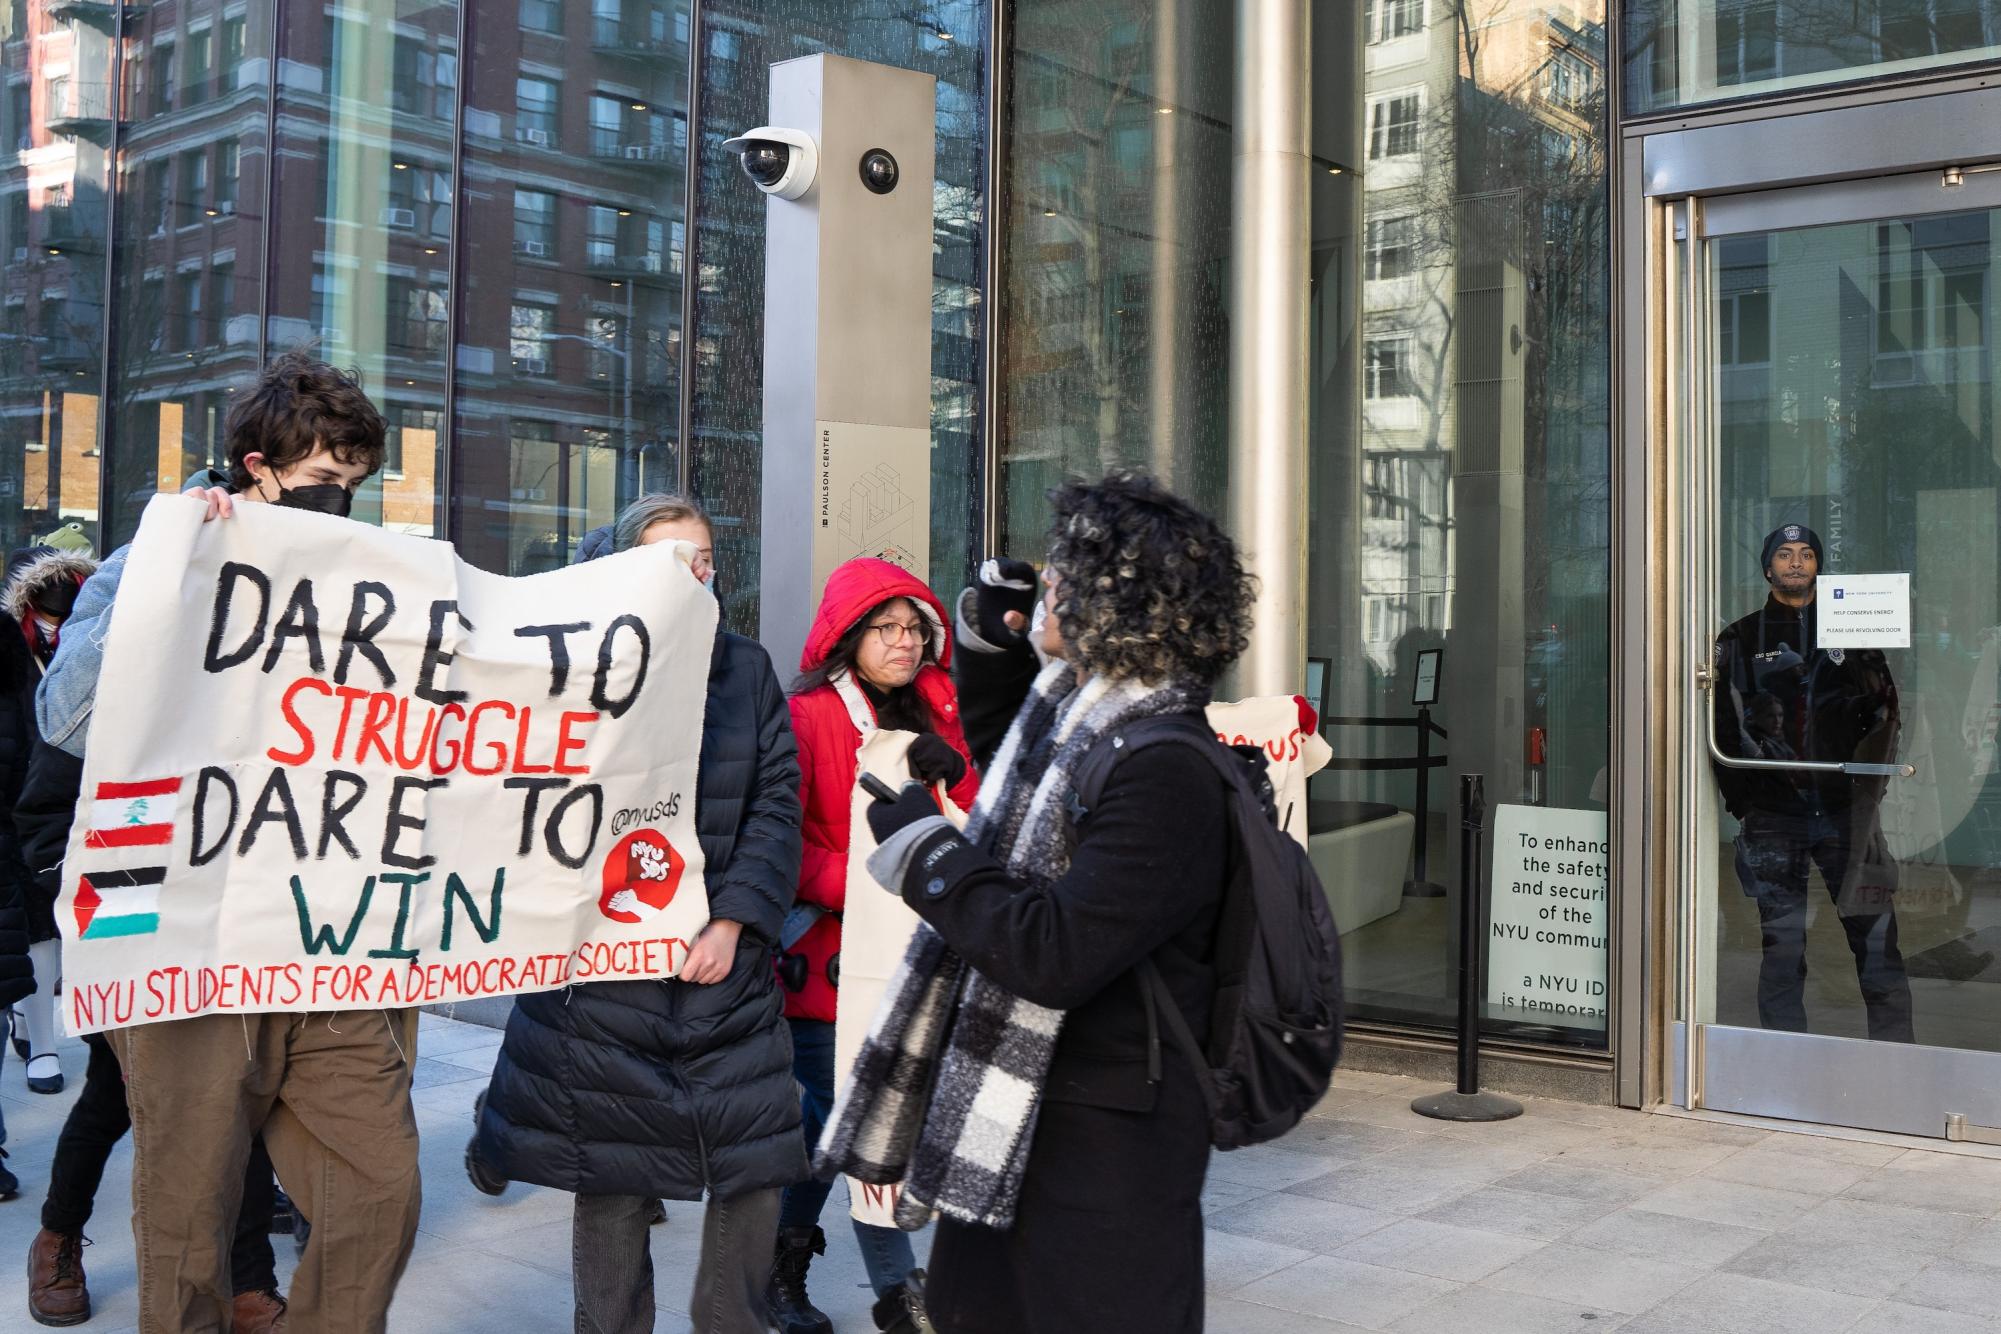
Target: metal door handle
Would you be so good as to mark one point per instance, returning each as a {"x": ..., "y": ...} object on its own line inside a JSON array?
[{"x": 1852, "y": 768}]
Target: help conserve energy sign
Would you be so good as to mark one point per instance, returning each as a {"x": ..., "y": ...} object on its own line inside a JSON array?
[
  {"x": 335, "y": 768},
  {"x": 1863, "y": 611},
  {"x": 1546, "y": 958}
]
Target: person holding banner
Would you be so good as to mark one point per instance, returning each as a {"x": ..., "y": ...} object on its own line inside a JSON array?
[
  {"x": 1074, "y": 1201},
  {"x": 624, "y": 1092},
  {"x": 876, "y": 658},
  {"x": 330, "y": 1090}
]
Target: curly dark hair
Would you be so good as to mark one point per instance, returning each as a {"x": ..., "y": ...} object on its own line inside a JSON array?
[
  {"x": 297, "y": 405},
  {"x": 1147, "y": 586}
]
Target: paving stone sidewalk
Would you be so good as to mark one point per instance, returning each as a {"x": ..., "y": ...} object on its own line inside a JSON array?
[{"x": 1366, "y": 1218}]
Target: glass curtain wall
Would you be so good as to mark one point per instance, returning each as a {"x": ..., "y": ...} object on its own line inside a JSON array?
[
  {"x": 572, "y": 249},
  {"x": 1680, "y": 52},
  {"x": 59, "y": 118},
  {"x": 1459, "y": 467},
  {"x": 741, "y": 39},
  {"x": 1460, "y": 478},
  {"x": 1116, "y": 216},
  {"x": 495, "y": 247}
]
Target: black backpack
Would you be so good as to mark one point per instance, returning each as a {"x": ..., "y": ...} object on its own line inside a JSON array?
[{"x": 1275, "y": 1030}]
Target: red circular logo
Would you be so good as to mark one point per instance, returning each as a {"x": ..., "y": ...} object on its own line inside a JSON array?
[{"x": 641, "y": 874}]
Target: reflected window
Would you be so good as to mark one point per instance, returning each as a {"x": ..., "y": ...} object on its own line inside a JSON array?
[
  {"x": 232, "y": 53},
  {"x": 1386, "y": 368},
  {"x": 535, "y": 102},
  {"x": 607, "y": 125},
  {"x": 161, "y": 69},
  {"x": 228, "y": 175},
  {"x": 534, "y": 224},
  {"x": 1387, "y": 20},
  {"x": 191, "y": 190},
  {"x": 542, "y": 15},
  {"x": 529, "y": 337},
  {"x": 193, "y": 334},
  {"x": 1747, "y": 43},
  {"x": 1393, "y": 125},
  {"x": 1390, "y": 248},
  {"x": 156, "y": 196},
  {"x": 199, "y": 53}
]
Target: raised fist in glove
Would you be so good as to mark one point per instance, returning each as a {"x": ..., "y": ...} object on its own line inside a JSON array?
[
  {"x": 1003, "y": 595},
  {"x": 932, "y": 760}
]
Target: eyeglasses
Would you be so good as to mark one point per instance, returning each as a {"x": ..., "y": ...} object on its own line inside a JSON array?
[{"x": 891, "y": 633}]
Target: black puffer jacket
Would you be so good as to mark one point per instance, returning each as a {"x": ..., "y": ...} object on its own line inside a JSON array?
[
  {"x": 37, "y": 577},
  {"x": 42, "y": 816},
  {"x": 667, "y": 1088}
]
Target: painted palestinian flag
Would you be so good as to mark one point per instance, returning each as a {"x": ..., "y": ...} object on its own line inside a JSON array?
[{"x": 125, "y": 900}]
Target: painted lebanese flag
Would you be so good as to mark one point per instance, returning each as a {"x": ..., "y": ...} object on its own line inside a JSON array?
[{"x": 125, "y": 900}]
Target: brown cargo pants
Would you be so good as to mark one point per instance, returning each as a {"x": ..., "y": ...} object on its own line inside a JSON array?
[{"x": 331, "y": 1092}]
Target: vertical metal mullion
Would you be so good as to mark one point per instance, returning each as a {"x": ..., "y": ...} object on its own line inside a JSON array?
[
  {"x": 448, "y": 417},
  {"x": 107, "y": 324},
  {"x": 993, "y": 210},
  {"x": 684, "y": 452},
  {"x": 265, "y": 260}
]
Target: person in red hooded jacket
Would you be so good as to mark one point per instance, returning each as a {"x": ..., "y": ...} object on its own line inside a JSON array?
[{"x": 876, "y": 659}]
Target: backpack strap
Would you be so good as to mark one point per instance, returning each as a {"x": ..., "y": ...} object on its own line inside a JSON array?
[{"x": 1239, "y": 915}]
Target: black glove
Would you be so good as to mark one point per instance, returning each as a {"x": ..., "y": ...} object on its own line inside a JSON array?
[
  {"x": 932, "y": 760},
  {"x": 1003, "y": 586},
  {"x": 912, "y": 804}
]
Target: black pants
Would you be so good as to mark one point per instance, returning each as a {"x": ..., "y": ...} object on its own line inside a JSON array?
[
  {"x": 97, "y": 1121},
  {"x": 1775, "y": 854}
]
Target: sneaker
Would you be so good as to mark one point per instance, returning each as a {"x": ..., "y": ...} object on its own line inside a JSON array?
[
  {"x": 282, "y": 1212},
  {"x": 45, "y": 1073},
  {"x": 57, "y": 1293}
]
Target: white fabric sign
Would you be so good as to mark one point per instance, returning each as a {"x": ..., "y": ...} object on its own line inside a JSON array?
[
  {"x": 1863, "y": 611},
  {"x": 876, "y": 927},
  {"x": 1292, "y": 754},
  {"x": 332, "y": 767}
]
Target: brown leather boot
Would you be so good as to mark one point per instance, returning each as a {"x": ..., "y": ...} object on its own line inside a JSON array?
[
  {"x": 257, "y": 1313},
  {"x": 56, "y": 1291}
]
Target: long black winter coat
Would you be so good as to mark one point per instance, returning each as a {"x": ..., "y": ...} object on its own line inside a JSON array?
[
  {"x": 1108, "y": 1229},
  {"x": 42, "y": 816},
  {"x": 668, "y": 1088},
  {"x": 35, "y": 576}
]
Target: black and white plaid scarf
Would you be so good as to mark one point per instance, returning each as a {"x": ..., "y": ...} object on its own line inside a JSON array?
[{"x": 944, "y": 1092}]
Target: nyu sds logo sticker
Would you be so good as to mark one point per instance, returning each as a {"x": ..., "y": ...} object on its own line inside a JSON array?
[{"x": 642, "y": 873}]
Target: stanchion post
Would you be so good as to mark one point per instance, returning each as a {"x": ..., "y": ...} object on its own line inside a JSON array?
[
  {"x": 1419, "y": 886},
  {"x": 1467, "y": 1102}
]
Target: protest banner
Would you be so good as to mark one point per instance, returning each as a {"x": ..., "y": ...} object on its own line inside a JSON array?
[
  {"x": 335, "y": 768},
  {"x": 876, "y": 926}
]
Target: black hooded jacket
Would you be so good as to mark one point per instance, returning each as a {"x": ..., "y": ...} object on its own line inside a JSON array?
[
  {"x": 670, "y": 1088},
  {"x": 44, "y": 575},
  {"x": 1833, "y": 705}
]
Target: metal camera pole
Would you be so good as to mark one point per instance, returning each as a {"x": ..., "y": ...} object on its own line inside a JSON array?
[{"x": 1467, "y": 1102}]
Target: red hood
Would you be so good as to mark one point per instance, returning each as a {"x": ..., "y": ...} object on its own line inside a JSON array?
[{"x": 859, "y": 585}]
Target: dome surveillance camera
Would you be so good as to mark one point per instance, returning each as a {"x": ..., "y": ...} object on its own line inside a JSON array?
[{"x": 778, "y": 161}]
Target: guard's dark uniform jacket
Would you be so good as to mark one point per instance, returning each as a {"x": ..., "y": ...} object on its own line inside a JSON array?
[{"x": 1837, "y": 705}]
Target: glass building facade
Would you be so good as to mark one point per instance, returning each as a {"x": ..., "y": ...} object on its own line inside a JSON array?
[{"x": 517, "y": 220}]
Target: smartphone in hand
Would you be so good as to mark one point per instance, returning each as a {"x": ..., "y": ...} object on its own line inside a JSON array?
[{"x": 876, "y": 788}]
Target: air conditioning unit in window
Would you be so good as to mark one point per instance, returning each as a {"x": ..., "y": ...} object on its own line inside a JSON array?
[
  {"x": 636, "y": 152},
  {"x": 532, "y": 249},
  {"x": 399, "y": 217},
  {"x": 226, "y": 207},
  {"x": 539, "y": 138},
  {"x": 532, "y": 365}
]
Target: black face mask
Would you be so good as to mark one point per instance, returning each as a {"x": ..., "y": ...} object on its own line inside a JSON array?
[{"x": 327, "y": 498}]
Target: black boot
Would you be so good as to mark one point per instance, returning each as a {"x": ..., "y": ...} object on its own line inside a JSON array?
[
  {"x": 792, "y": 1312},
  {"x": 901, "y": 1309}
]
